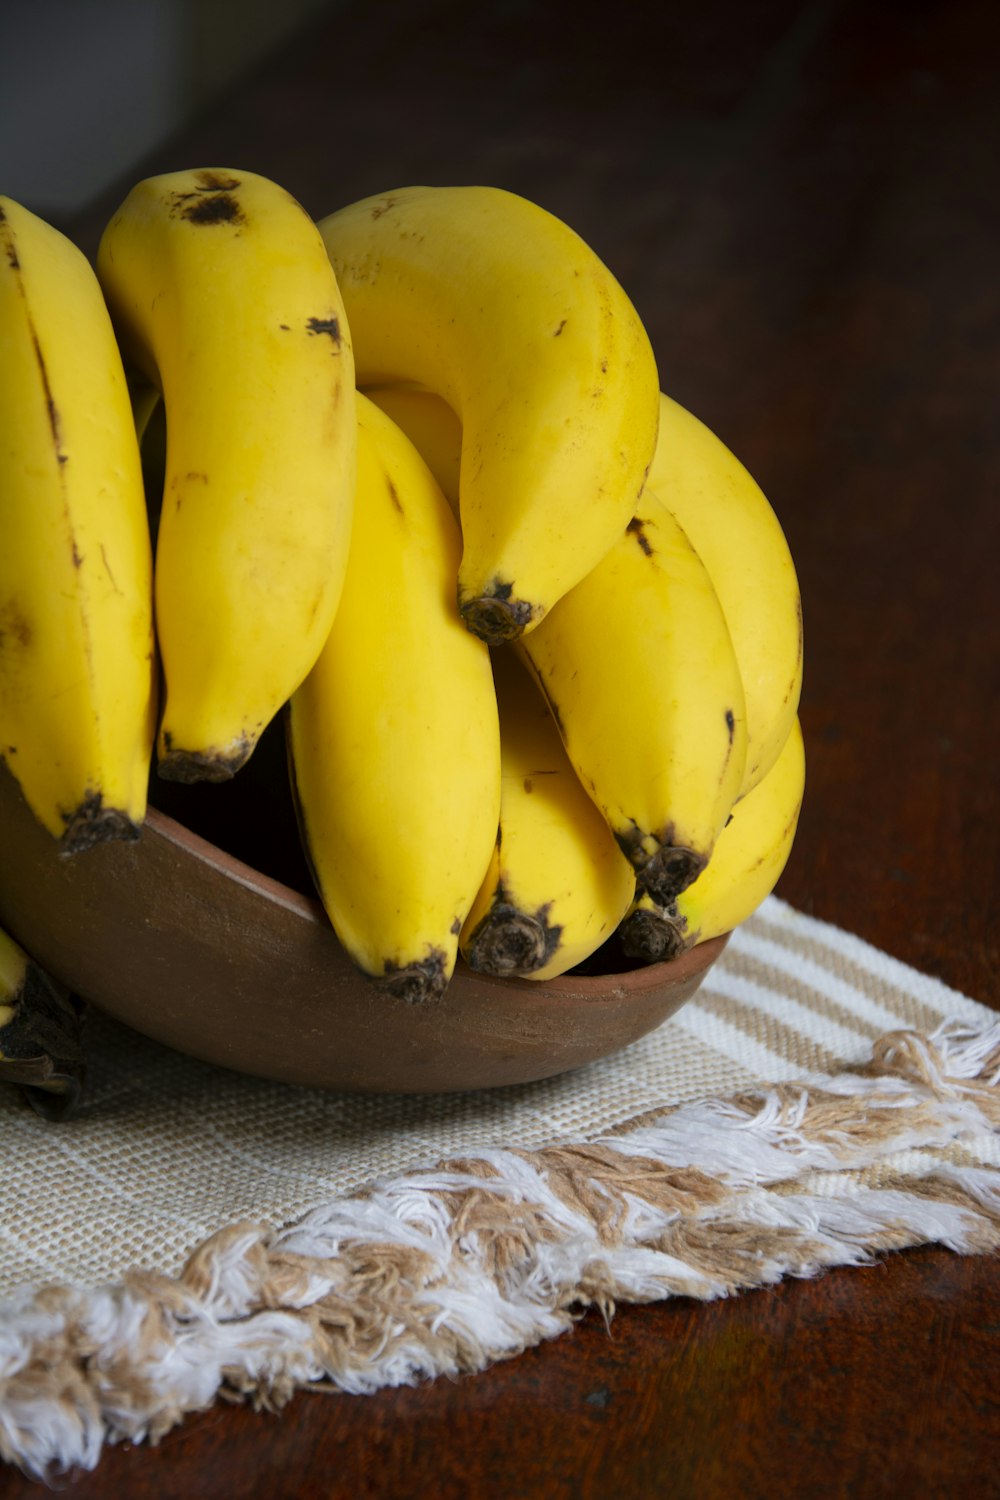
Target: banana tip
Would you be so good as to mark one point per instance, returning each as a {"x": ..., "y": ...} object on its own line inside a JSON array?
[
  {"x": 512, "y": 942},
  {"x": 652, "y": 936},
  {"x": 496, "y": 617},
  {"x": 419, "y": 982},
  {"x": 670, "y": 871},
  {"x": 174, "y": 764},
  {"x": 95, "y": 823}
]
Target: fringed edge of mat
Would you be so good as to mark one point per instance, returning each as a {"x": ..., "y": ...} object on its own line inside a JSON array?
[{"x": 447, "y": 1271}]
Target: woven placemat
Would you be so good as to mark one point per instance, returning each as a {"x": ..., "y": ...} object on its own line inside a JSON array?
[{"x": 191, "y": 1230}]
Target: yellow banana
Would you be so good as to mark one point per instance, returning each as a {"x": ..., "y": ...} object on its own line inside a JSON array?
[
  {"x": 739, "y": 539},
  {"x": 638, "y": 667},
  {"x": 431, "y": 426},
  {"x": 394, "y": 736},
  {"x": 496, "y": 305},
  {"x": 557, "y": 884},
  {"x": 224, "y": 298},
  {"x": 77, "y": 669},
  {"x": 749, "y": 856},
  {"x": 39, "y": 1034}
]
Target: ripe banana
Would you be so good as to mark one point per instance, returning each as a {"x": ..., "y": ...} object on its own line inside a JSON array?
[
  {"x": 224, "y": 298},
  {"x": 737, "y": 536},
  {"x": 499, "y": 307},
  {"x": 39, "y": 1034},
  {"x": 77, "y": 668},
  {"x": 750, "y": 854},
  {"x": 394, "y": 736},
  {"x": 557, "y": 884},
  {"x": 638, "y": 667},
  {"x": 433, "y": 429}
]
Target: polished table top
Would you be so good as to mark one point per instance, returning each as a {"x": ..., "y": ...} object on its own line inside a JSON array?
[{"x": 801, "y": 200}]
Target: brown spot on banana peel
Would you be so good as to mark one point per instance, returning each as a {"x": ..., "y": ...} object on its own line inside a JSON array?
[
  {"x": 216, "y": 182},
  {"x": 635, "y": 528},
  {"x": 94, "y": 823},
  {"x": 13, "y": 623},
  {"x": 210, "y": 206},
  {"x": 653, "y": 934},
  {"x": 329, "y": 326},
  {"x": 510, "y": 941},
  {"x": 50, "y": 405},
  {"x": 394, "y": 495}
]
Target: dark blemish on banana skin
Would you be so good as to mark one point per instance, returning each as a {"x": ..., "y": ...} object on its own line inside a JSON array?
[
  {"x": 210, "y": 202},
  {"x": 50, "y": 405},
  {"x": 329, "y": 326},
  {"x": 77, "y": 556},
  {"x": 383, "y": 208},
  {"x": 528, "y": 784},
  {"x": 216, "y": 182},
  {"x": 730, "y": 724},
  {"x": 13, "y": 623},
  {"x": 635, "y": 528},
  {"x": 456, "y": 926},
  {"x": 214, "y": 210},
  {"x": 559, "y": 330},
  {"x": 394, "y": 495}
]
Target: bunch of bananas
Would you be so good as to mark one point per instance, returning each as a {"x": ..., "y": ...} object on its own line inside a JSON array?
[{"x": 535, "y": 631}]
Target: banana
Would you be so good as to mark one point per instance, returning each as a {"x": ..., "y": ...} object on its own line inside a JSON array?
[
  {"x": 749, "y": 856},
  {"x": 500, "y": 308},
  {"x": 739, "y": 539},
  {"x": 638, "y": 667},
  {"x": 433, "y": 429},
  {"x": 557, "y": 884},
  {"x": 39, "y": 1034},
  {"x": 394, "y": 735},
  {"x": 225, "y": 300},
  {"x": 77, "y": 658}
]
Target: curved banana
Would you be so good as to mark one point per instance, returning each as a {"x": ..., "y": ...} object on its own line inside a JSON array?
[
  {"x": 394, "y": 737},
  {"x": 739, "y": 539},
  {"x": 39, "y": 1034},
  {"x": 499, "y": 307},
  {"x": 638, "y": 667},
  {"x": 77, "y": 667},
  {"x": 224, "y": 298},
  {"x": 749, "y": 856},
  {"x": 557, "y": 884}
]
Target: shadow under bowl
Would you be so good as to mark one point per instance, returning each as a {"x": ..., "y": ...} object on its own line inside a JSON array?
[{"x": 197, "y": 950}]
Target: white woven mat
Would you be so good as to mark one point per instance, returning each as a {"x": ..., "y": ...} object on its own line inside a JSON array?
[{"x": 816, "y": 1103}]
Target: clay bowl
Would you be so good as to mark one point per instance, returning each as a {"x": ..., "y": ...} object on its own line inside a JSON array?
[{"x": 190, "y": 945}]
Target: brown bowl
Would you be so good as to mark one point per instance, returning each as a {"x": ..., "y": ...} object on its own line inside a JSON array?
[{"x": 194, "y": 948}]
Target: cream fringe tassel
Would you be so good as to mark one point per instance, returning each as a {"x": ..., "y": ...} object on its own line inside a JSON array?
[{"x": 445, "y": 1271}]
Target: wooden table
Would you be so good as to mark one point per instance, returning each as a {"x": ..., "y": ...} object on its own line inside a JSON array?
[{"x": 801, "y": 199}]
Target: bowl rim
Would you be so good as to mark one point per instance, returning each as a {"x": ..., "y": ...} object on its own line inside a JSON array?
[{"x": 311, "y": 911}]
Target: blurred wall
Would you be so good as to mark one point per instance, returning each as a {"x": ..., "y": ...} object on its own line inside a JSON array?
[{"x": 88, "y": 87}]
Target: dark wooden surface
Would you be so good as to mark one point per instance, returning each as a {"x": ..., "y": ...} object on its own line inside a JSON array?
[{"x": 801, "y": 199}]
